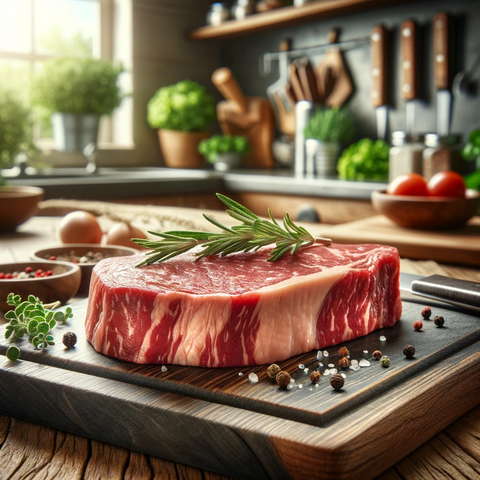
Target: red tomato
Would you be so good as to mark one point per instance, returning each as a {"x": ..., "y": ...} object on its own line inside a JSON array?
[
  {"x": 447, "y": 184},
  {"x": 408, "y": 184}
]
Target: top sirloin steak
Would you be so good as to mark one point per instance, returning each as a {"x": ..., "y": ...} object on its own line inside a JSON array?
[{"x": 241, "y": 310}]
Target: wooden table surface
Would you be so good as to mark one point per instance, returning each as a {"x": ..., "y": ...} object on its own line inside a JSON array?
[{"x": 33, "y": 451}]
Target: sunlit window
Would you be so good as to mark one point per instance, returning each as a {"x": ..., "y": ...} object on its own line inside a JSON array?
[{"x": 32, "y": 31}]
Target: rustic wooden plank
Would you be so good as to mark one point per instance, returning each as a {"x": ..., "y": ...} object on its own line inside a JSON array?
[{"x": 106, "y": 462}]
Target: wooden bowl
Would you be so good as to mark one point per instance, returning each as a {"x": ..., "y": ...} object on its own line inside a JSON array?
[
  {"x": 82, "y": 249},
  {"x": 17, "y": 205},
  {"x": 61, "y": 286},
  {"x": 430, "y": 213}
]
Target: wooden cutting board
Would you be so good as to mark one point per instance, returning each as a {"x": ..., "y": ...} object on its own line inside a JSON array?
[
  {"x": 216, "y": 419},
  {"x": 459, "y": 247}
]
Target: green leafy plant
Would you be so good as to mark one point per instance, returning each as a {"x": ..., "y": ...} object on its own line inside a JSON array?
[
  {"x": 252, "y": 234},
  {"x": 185, "y": 106},
  {"x": 364, "y": 160},
  {"x": 78, "y": 85},
  {"x": 471, "y": 152},
  {"x": 15, "y": 128},
  {"x": 331, "y": 125},
  {"x": 211, "y": 147},
  {"x": 32, "y": 318}
]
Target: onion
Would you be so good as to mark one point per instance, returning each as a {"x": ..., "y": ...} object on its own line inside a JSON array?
[
  {"x": 122, "y": 233},
  {"x": 80, "y": 227}
]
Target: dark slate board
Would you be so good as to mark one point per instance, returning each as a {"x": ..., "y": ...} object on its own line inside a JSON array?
[{"x": 86, "y": 393}]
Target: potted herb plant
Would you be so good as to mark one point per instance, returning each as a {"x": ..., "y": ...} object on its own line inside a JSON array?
[
  {"x": 325, "y": 133},
  {"x": 224, "y": 151},
  {"x": 471, "y": 152},
  {"x": 76, "y": 92},
  {"x": 182, "y": 114},
  {"x": 18, "y": 203}
]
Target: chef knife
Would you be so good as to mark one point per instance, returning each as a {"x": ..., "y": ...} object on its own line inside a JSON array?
[
  {"x": 442, "y": 61},
  {"x": 410, "y": 72},
  {"x": 440, "y": 289},
  {"x": 379, "y": 93}
]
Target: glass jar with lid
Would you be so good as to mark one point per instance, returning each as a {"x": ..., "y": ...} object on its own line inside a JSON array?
[
  {"x": 443, "y": 153},
  {"x": 406, "y": 154}
]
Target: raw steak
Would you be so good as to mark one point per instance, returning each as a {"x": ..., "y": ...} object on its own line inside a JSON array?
[{"x": 240, "y": 310}]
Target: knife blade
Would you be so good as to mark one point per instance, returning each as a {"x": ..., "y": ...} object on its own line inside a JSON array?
[
  {"x": 379, "y": 92},
  {"x": 410, "y": 73},
  {"x": 442, "y": 71},
  {"x": 441, "y": 290}
]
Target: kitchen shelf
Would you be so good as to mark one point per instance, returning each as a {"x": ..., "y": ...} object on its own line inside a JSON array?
[{"x": 286, "y": 16}]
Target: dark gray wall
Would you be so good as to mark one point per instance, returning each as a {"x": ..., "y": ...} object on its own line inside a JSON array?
[{"x": 242, "y": 56}]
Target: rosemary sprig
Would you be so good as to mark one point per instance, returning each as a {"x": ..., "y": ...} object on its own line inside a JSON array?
[
  {"x": 32, "y": 318},
  {"x": 250, "y": 235}
]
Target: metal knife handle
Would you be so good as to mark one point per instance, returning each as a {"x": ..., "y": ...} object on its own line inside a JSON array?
[
  {"x": 409, "y": 42},
  {"x": 460, "y": 291},
  {"x": 379, "y": 47},
  {"x": 442, "y": 31}
]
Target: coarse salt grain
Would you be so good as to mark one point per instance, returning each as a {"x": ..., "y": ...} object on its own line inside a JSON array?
[{"x": 253, "y": 377}]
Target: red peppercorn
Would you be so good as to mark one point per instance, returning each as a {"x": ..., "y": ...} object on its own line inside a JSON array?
[
  {"x": 39, "y": 270},
  {"x": 38, "y": 274},
  {"x": 8, "y": 275},
  {"x": 426, "y": 313},
  {"x": 75, "y": 261},
  {"x": 28, "y": 269},
  {"x": 377, "y": 354},
  {"x": 53, "y": 257},
  {"x": 48, "y": 273},
  {"x": 2, "y": 274},
  {"x": 418, "y": 325}
]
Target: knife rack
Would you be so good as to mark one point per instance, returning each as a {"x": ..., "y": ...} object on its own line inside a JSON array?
[{"x": 265, "y": 67}]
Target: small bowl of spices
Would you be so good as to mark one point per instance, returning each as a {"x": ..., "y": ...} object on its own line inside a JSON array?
[
  {"x": 49, "y": 281},
  {"x": 85, "y": 255}
]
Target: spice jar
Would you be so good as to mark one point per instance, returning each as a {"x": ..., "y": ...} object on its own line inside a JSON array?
[
  {"x": 442, "y": 153},
  {"x": 406, "y": 154}
]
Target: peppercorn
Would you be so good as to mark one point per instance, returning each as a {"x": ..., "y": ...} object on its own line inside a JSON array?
[
  {"x": 377, "y": 354},
  {"x": 283, "y": 379},
  {"x": 409, "y": 351},
  {"x": 343, "y": 352},
  {"x": 426, "y": 313},
  {"x": 418, "y": 325},
  {"x": 272, "y": 370},
  {"x": 439, "y": 321},
  {"x": 69, "y": 339},
  {"x": 344, "y": 363},
  {"x": 315, "y": 376},
  {"x": 337, "y": 381},
  {"x": 385, "y": 361}
]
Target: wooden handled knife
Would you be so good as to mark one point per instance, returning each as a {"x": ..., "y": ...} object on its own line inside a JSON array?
[{"x": 379, "y": 92}]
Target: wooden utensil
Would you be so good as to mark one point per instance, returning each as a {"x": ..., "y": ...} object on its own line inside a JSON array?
[
  {"x": 308, "y": 80},
  {"x": 248, "y": 116},
  {"x": 343, "y": 86},
  {"x": 294, "y": 79}
]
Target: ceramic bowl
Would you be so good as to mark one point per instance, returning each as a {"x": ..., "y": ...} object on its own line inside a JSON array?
[
  {"x": 61, "y": 286},
  {"x": 81, "y": 249},
  {"x": 17, "y": 205},
  {"x": 430, "y": 213}
]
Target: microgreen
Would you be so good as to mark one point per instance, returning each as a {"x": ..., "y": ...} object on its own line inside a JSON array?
[
  {"x": 32, "y": 318},
  {"x": 252, "y": 234}
]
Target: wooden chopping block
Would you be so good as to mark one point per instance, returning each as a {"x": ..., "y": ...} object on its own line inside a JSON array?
[
  {"x": 248, "y": 116},
  {"x": 343, "y": 85}
]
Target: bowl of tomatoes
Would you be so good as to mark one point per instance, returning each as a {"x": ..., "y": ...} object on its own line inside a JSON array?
[{"x": 442, "y": 203}]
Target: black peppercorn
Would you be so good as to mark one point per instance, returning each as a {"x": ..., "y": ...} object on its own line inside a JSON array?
[
  {"x": 426, "y": 313},
  {"x": 337, "y": 381},
  {"x": 69, "y": 339},
  {"x": 283, "y": 379},
  {"x": 409, "y": 351},
  {"x": 439, "y": 321},
  {"x": 344, "y": 363},
  {"x": 272, "y": 370},
  {"x": 315, "y": 376}
]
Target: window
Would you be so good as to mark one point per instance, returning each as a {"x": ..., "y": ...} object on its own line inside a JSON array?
[{"x": 32, "y": 31}]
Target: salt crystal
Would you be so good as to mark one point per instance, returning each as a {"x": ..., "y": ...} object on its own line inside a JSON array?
[
  {"x": 364, "y": 363},
  {"x": 383, "y": 338},
  {"x": 305, "y": 371},
  {"x": 290, "y": 386},
  {"x": 319, "y": 355},
  {"x": 253, "y": 377},
  {"x": 311, "y": 389},
  {"x": 164, "y": 368},
  {"x": 320, "y": 365},
  {"x": 326, "y": 373},
  {"x": 354, "y": 363},
  {"x": 301, "y": 366},
  {"x": 325, "y": 354},
  {"x": 355, "y": 368},
  {"x": 317, "y": 385},
  {"x": 333, "y": 371},
  {"x": 365, "y": 353},
  {"x": 292, "y": 380},
  {"x": 240, "y": 374},
  {"x": 300, "y": 386},
  {"x": 331, "y": 365},
  {"x": 343, "y": 375}
]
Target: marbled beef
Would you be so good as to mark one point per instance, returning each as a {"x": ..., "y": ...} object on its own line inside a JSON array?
[{"x": 240, "y": 310}]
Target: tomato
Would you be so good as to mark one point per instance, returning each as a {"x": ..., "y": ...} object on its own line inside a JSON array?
[
  {"x": 408, "y": 184},
  {"x": 447, "y": 184}
]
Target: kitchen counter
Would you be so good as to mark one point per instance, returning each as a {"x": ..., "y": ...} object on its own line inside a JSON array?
[
  {"x": 29, "y": 450},
  {"x": 124, "y": 183}
]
